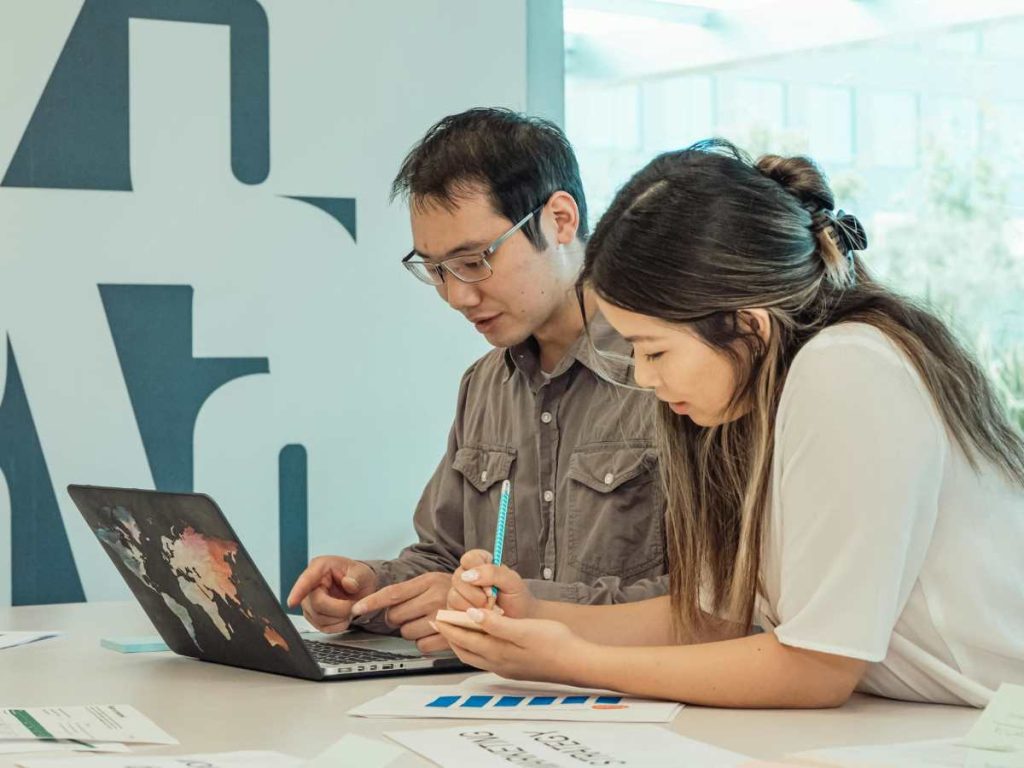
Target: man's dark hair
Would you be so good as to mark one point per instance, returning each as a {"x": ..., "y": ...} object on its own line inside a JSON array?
[{"x": 518, "y": 160}]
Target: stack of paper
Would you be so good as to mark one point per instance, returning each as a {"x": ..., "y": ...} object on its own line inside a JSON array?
[
  {"x": 564, "y": 746},
  {"x": 222, "y": 760},
  {"x": 20, "y": 747},
  {"x": 487, "y": 697},
  {"x": 96, "y": 728}
]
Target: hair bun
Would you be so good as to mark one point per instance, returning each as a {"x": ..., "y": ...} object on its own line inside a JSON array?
[{"x": 801, "y": 178}]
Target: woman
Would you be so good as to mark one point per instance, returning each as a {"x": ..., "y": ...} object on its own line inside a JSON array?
[{"x": 837, "y": 468}]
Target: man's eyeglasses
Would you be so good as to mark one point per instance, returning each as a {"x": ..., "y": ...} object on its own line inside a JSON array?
[{"x": 472, "y": 268}]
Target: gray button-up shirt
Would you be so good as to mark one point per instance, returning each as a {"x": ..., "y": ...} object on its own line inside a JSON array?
[{"x": 586, "y": 518}]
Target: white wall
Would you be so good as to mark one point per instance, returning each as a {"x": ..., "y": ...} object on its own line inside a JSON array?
[{"x": 364, "y": 361}]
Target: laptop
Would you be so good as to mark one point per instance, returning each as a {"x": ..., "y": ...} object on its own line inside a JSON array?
[{"x": 198, "y": 585}]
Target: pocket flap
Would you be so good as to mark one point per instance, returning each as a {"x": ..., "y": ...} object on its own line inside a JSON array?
[
  {"x": 483, "y": 467},
  {"x": 605, "y": 468}
]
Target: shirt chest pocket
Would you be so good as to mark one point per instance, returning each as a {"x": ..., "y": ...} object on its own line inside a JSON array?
[
  {"x": 483, "y": 469},
  {"x": 616, "y": 514}
]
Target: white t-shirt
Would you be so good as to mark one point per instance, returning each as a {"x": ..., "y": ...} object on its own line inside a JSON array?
[{"x": 882, "y": 543}]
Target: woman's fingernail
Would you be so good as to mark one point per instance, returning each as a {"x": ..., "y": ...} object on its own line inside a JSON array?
[
  {"x": 470, "y": 575},
  {"x": 357, "y": 609},
  {"x": 475, "y": 614},
  {"x": 498, "y": 610},
  {"x": 489, "y": 556},
  {"x": 433, "y": 626}
]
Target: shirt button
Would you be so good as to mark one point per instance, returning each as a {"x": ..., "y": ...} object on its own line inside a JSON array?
[
  {"x": 609, "y": 478},
  {"x": 483, "y": 476},
  {"x": 545, "y": 417},
  {"x": 549, "y": 496},
  {"x": 547, "y": 573}
]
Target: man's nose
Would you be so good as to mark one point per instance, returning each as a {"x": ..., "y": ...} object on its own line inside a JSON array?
[{"x": 460, "y": 295}]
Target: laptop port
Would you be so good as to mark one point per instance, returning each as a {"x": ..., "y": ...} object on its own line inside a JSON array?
[{"x": 387, "y": 666}]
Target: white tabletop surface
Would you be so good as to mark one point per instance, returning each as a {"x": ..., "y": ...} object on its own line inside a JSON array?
[{"x": 213, "y": 708}]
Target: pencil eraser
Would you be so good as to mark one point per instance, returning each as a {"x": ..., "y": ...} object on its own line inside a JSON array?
[
  {"x": 134, "y": 644},
  {"x": 459, "y": 619}
]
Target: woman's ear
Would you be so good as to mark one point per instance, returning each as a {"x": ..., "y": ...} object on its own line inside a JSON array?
[{"x": 757, "y": 320}]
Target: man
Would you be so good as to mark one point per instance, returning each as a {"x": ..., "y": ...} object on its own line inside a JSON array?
[{"x": 499, "y": 223}]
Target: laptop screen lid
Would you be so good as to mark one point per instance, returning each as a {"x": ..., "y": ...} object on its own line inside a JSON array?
[{"x": 192, "y": 576}]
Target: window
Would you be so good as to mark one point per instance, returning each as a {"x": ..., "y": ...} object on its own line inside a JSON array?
[{"x": 918, "y": 129}]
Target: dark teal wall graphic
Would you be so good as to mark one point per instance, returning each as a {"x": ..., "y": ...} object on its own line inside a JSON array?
[
  {"x": 293, "y": 516},
  {"x": 341, "y": 209},
  {"x": 42, "y": 565},
  {"x": 152, "y": 330},
  {"x": 78, "y": 138}
]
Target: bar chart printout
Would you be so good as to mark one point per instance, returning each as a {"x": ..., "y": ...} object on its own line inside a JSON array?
[{"x": 506, "y": 702}]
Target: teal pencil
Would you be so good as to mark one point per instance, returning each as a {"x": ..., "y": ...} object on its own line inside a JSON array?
[{"x": 499, "y": 532}]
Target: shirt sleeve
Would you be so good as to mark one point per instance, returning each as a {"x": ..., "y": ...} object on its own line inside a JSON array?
[
  {"x": 859, "y": 452},
  {"x": 438, "y": 521}
]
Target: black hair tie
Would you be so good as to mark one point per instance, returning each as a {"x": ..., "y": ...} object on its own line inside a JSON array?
[{"x": 849, "y": 231}]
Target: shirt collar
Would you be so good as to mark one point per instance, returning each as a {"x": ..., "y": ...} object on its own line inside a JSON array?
[{"x": 526, "y": 358}]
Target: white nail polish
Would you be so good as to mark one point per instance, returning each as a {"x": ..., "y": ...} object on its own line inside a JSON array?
[{"x": 470, "y": 575}]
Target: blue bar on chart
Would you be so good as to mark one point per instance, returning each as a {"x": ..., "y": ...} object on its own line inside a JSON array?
[
  {"x": 481, "y": 701},
  {"x": 443, "y": 701}
]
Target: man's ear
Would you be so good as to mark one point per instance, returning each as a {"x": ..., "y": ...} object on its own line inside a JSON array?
[
  {"x": 561, "y": 206},
  {"x": 757, "y": 320}
]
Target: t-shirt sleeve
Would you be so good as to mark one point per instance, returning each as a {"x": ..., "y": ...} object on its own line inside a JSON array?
[{"x": 859, "y": 457}]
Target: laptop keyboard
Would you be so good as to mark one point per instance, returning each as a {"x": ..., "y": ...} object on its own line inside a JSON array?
[{"x": 336, "y": 655}]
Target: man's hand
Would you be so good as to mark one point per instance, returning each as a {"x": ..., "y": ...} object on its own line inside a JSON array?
[
  {"x": 328, "y": 588},
  {"x": 411, "y": 605}
]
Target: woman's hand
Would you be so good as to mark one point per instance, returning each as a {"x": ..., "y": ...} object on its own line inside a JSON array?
[
  {"x": 522, "y": 649},
  {"x": 472, "y": 582}
]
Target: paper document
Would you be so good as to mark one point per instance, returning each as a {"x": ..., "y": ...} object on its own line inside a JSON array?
[
  {"x": 105, "y": 722},
  {"x": 354, "y": 749},
  {"x": 564, "y": 746},
  {"x": 13, "y": 639},
  {"x": 516, "y": 702},
  {"x": 34, "y": 746},
  {"x": 939, "y": 753},
  {"x": 1001, "y": 725},
  {"x": 222, "y": 760}
]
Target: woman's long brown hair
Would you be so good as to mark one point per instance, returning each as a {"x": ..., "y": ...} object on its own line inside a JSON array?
[{"x": 696, "y": 237}]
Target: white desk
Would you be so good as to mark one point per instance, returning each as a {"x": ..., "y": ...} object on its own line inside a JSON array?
[{"x": 212, "y": 708}]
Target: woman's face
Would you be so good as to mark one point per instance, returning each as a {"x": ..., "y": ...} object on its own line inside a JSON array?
[{"x": 693, "y": 378}]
